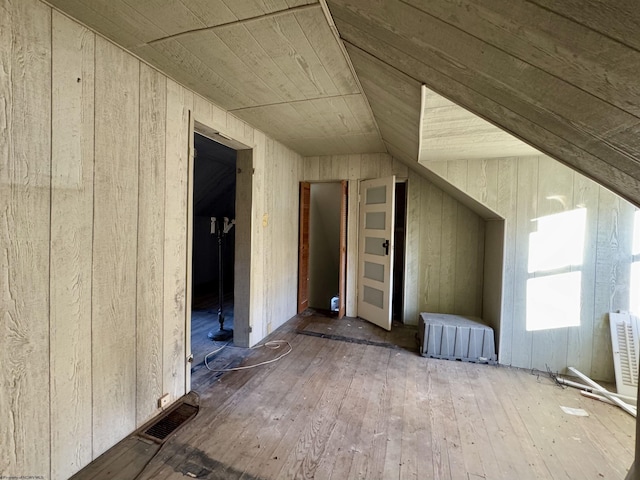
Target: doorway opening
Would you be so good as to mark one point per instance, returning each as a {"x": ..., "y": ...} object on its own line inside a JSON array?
[
  {"x": 324, "y": 246},
  {"x": 213, "y": 245},
  {"x": 322, "y": 249},
  {"x": 399, "y": 236}
]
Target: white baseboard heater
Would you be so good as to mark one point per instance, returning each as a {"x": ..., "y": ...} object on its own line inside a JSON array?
[{"x": 454, "y": 337}]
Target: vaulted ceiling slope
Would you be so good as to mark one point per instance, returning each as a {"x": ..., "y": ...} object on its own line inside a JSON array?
[
  {"x": 449, "y": 132},
  {"x": 560, "y": 75}
]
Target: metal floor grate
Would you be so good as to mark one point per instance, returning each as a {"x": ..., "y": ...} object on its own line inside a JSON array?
[{"x": 165, "y": 426}]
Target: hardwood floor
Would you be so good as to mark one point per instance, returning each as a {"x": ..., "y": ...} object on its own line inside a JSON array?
[
  {"x": 360, "y": 403},
  {"x": 220, "y": 354}
]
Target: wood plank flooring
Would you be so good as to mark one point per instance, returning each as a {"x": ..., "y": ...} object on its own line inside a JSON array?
[
  {"x": 204, "y": 319},
  {"x": 353, "y": 401}
]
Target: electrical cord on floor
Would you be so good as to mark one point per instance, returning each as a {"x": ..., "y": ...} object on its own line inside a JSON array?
[
  {"x": 272, "y": 345},
  {"x": 206, "y": 357}
]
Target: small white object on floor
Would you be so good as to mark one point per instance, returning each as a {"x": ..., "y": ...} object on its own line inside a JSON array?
[
  {"x": 578, "y": 412},
  {"x": 334, "y": 304}
]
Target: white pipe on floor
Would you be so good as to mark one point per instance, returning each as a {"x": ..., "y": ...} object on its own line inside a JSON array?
[
  {"x": 570, "y": 383},
  {"x": 625, "y": 406},
  {"x": 595, "y": 396}
]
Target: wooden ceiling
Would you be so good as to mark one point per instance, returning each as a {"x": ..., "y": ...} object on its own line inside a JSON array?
[
  {"x": 560, "y": 75},
  {"x": 274, "y": 63},
  {"x": 449, "y": 132}
]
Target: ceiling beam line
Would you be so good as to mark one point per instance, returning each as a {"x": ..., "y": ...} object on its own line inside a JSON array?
[
  {"x": 423, "y": 106},
  {"x": 291, "y": 102},
  {"x": 244, "y": 21},
  {"x": 343, "y": 49}
]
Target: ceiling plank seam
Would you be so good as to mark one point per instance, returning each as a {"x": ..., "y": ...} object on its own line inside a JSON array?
[
  {"x": 343, "y": 49},
  {"x": 291, "y": 102},
  {"x": 244, "y": 21}
]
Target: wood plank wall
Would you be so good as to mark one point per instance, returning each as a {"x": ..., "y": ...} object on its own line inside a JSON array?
[
  {"x": 447, "y": 245},
  {"x": 445, "y": 240},
  {"x": 72, "y": 164},
  {"x": 94, "y": 172},
  {"x": 151, "y": 239},
  {"x": 25, "y": 216},
  {"x": 281, "y": 174},
  {"x": 115, "y": 206},
  {"x": 520, "y": 190}
]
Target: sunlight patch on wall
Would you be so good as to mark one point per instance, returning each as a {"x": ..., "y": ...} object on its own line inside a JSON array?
[
  {"x": 634, "y": 289},
  {"x": 559, "y": 241},
  {"x": 635, "y": 249},
  {"x": 553, "y": 290},
  {"x": 553, "y": 301}
]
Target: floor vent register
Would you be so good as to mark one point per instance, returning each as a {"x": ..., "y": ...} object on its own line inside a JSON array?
[{"x": 170, "y": 422}]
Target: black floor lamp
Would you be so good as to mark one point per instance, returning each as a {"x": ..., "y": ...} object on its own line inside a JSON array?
[{"x": 221, "y": 229}]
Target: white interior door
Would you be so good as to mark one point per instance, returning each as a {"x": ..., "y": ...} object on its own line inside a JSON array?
[{"x": 375, "y": 252}]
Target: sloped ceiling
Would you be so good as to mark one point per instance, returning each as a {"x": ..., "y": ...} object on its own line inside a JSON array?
[
  {"x": 449, "y": 132},
  {"x": 560, "y": 75}
]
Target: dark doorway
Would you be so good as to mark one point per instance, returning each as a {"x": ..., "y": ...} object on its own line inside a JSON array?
[
  {"x": 399, "y": 235},
  {"x": 214, "y": 197}
]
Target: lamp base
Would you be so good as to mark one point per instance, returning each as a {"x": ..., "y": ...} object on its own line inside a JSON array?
[{"x": 221, "y": 335}]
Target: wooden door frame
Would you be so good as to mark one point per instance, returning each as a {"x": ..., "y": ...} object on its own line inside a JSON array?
[
  {"x": 343, "y": 255},
  {"x": 242, "y": 266},
  {"x": 303, "y": 245},
  {"x": 189, "y": 265}
]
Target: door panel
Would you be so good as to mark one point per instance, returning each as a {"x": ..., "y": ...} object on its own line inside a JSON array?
[
  {"x": 375, "y": 252},
  {"x": 303, "y": 247}
]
